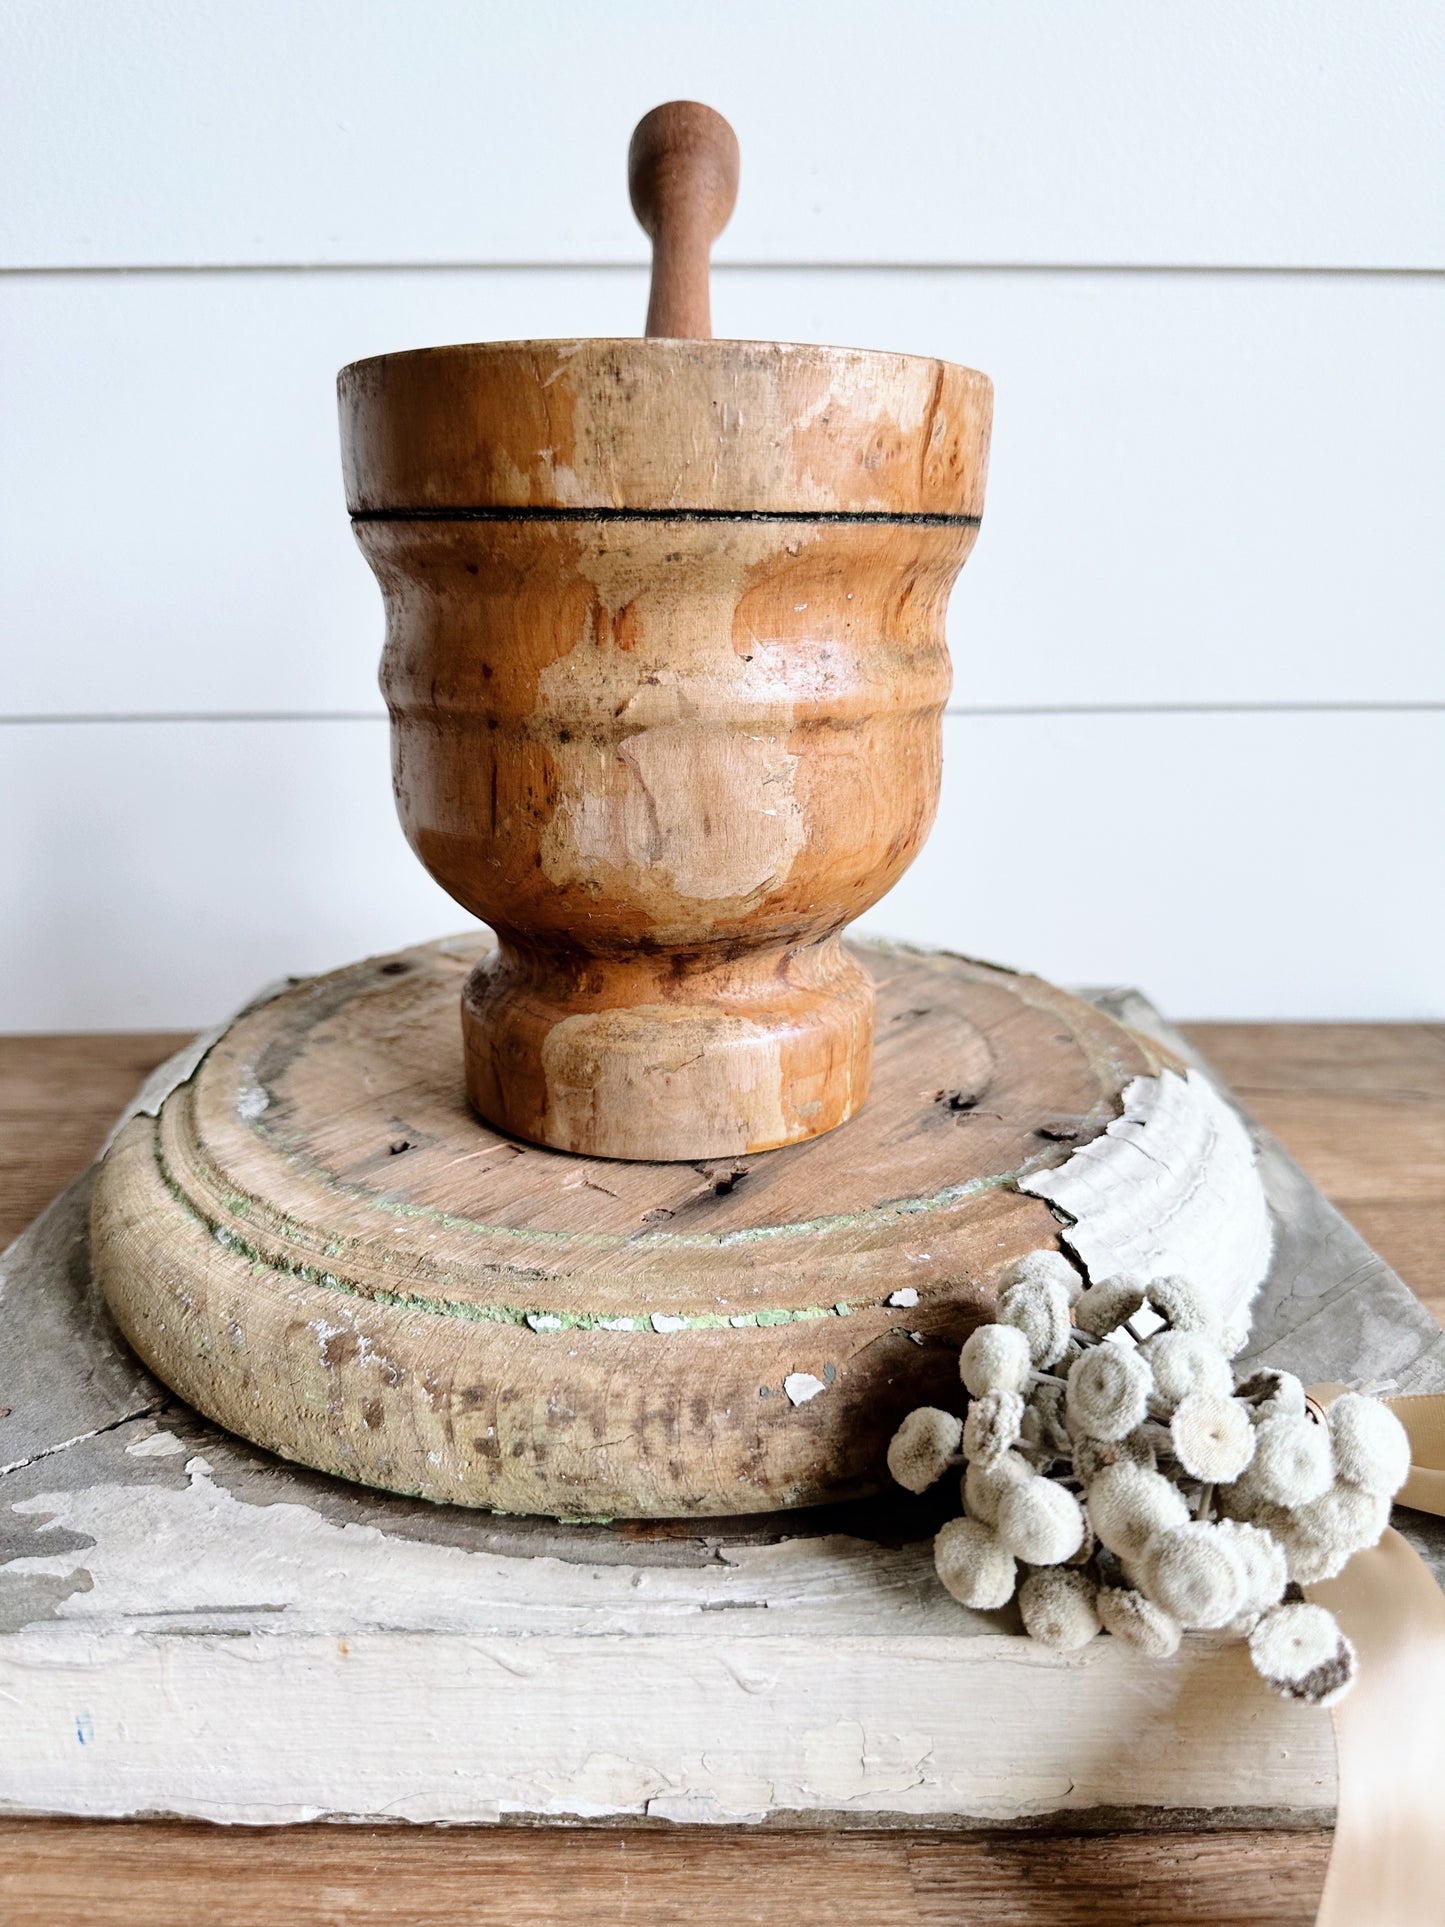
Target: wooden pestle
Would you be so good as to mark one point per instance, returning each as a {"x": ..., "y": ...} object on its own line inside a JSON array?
[{"x": 682, "y": 174}]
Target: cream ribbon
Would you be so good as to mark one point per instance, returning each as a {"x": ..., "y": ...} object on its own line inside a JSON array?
[{"x": 1387, "y": 1865}]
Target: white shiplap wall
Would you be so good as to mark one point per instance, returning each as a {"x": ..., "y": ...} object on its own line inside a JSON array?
[{"x": 1198, "y": 737}]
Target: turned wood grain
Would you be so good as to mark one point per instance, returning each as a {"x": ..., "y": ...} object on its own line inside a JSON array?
[
  {"x": 54, "y": 1873},
  {"x": 666, "y": 714},
  {"x": 682, "y": 174},
  {"x": 740, "y": 427},
  {"x": 317, "y": 1246},
  {"x": 58, "y": 1097},
  {"x": 666, "y": 762}
]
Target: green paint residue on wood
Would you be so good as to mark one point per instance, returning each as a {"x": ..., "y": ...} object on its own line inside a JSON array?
[{"x": 529, "y": 1319}]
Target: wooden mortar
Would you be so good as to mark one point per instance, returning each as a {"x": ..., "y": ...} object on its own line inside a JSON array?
[{"x": 665, "y": 664}]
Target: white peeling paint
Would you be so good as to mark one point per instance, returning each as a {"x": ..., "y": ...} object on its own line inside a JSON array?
[
  {"x": 174, "y": 1072},
  {"x": 1171, "y": 1188},
  {"x": 196, "y": 1558},
  {"x": 252, "y": 1100},
  {"x": 604, "y": 1783},
  {"x": 841, "y": 1764},
  {"x": 159, "y": 1445}
]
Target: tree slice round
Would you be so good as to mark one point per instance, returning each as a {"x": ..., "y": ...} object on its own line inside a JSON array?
[{"x": 318, "y": 1245}]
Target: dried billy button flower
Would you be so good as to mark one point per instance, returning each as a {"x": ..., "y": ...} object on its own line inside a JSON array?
[
  {"x": 972, "y": 1564},
  {"x": 1040, "y": 1521},
  {"x": 985, "y": 1485},
  {"x": 1195, "y": 1573},
  {"x": 1263, "y": 1559},
  {"x": 923, "y": 1447},
  {"x": 1184, "y": 1363},
  {"x": 1183, "y": 1308},
  {"x": 1272, "y": 1394},
  {"x": 1058, "y": 1608},
  {"x": 1128, "y": 1505},
  {"x": 1100, "y": 1461},
  {"x": 992, "y": 1426},
  {"x": 1108, "y": 1392},
  {"x": 1045, "y": 1267},
  {"x": 1038, "y": 1308},
  {"x": 1293, "y": 1462},
  {"x": 1372, "y": 1448},
  {"x": 1212, "y": 1436},
  {"x": 1132, "y": 1617},
  {"x": 995, "y": 1358},
  {"x": 1301, "y": 1652},
  {"x": 1103, "y": 1308},
  {"x": 1321, "y": 1538}
]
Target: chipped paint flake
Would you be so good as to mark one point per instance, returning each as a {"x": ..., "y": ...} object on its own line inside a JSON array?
[
  {"x": 252, "y": 1100},
  {"x": 842, "y": 1763},
  {"x": 159, "y": 1445},
  {"x": 801, "y": 1386}
]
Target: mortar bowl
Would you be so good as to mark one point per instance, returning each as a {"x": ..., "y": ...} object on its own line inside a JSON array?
[{"x": 665, "y": 664}]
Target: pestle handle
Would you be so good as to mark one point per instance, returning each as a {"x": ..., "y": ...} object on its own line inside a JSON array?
[{"x": 682, "y": 174}]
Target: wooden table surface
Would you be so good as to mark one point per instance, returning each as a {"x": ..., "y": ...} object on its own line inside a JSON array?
[{"x": 1362, "y": 1108}]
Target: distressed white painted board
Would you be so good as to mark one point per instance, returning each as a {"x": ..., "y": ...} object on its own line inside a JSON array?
[
  {"x": 248, "y": 1659},
  {"x": 1247, "y": 866},
  {"x": 1203, "y": 488},
  {"x": 1304, "y": 132}
]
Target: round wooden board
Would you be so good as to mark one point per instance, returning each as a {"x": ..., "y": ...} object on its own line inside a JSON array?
[{"x": 318, "y": 1245}]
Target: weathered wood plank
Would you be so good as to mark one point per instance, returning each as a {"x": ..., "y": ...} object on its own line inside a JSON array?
[
  {"x": 1361, "y": 1108},
  {"x": 1334, "y": 1062},
  {"x": 59, "y": 1096},
  {"x": 1380, "y": 1149},
  {"x": 1165, "y": 1880},
  {"x": 53, "y": 1873}
]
